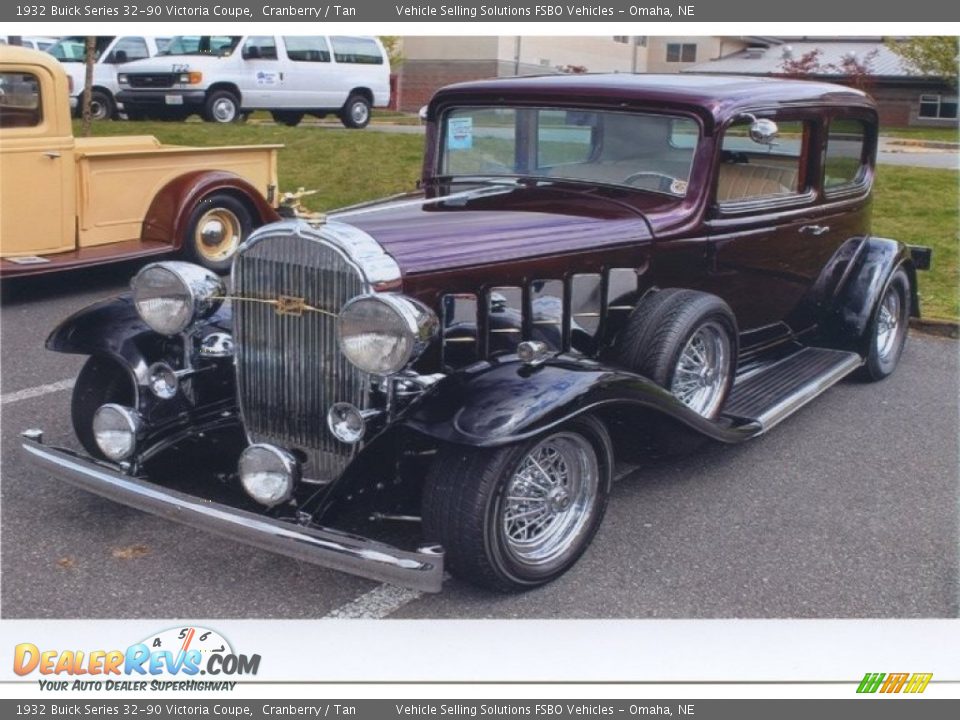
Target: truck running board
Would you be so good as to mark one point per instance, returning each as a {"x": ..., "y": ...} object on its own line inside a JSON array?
[{"x": 772, "y": 394}]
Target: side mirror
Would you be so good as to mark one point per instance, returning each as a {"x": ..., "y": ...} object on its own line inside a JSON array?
[
  {"x": 119, "y": 57},
  {"x": 251, "y": 52},
  {"x": 764, "y": 131},
  {"x": 423, "y": 114}
]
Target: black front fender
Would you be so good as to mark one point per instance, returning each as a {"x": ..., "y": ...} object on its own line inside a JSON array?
[{"x": 505, "y": 402}]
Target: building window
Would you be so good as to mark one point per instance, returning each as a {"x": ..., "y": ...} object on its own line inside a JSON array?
[
  {"x": 938, "y": 106},
  {"x": 681, "y": 52},
  {"x": 638, "y": 40}
]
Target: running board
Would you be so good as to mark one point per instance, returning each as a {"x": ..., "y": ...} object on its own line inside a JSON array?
[{"x": 773, "y": 394}]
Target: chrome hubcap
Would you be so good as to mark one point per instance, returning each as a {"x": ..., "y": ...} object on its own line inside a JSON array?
[
  {"x": 359, "y": 113},
  {"x": 549, "y": 499},
  {"x": 218, "y": 233},
  {"x": 702, "y": 370},
  {"x": 888, "y": 324},
  {"x": 224, "y": 110}
]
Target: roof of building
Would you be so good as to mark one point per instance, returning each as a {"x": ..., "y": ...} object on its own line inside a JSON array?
[{"x": 880, "y": 60}]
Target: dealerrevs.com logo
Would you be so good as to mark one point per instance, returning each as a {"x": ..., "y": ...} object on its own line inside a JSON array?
[
  {"x": 169, "y": 660},
  {"x": 894, "y": 682}
]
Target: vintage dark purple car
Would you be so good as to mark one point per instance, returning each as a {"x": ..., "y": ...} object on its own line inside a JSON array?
[{"x": 588, "y": 260}]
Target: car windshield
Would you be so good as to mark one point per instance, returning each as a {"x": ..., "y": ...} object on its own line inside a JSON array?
[
  {"x": 638, "y": 150},
  {"x": 201, "y": 45},
  {"x": 74, "y": 49}
]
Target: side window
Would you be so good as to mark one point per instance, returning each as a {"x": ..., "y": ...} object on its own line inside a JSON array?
[
  {"x": 843, "y": 161},
  {"x": 750, "y": 171},
  {"x": 127, "y": 49},
  {"x": 303, "y": 48},
  {"x": 260, "y": 47},
  {"x": 357, "y": 50},
  {"x": 19, "y": 100}
]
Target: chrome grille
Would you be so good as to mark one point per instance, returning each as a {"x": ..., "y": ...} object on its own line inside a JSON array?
[{"x": 289, "y": 367}]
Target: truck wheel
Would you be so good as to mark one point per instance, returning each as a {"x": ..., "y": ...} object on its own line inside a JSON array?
[
  {"x": 686, "y": 342},
  {"x": 101, "y": 381},
  {"x": 102, "y": 106},
  {"x": 218, "y": 224},
  {"x": 221, "y": 106},
  {"x": 286, "y": 117},
  {"x": 888, "y": 329},
  {"x": 356, "y": 112},
  {"x": 516, "y": 517}
]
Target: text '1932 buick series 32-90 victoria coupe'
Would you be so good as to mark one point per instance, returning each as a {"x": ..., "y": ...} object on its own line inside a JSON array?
[{"x": 587, "y": 258}]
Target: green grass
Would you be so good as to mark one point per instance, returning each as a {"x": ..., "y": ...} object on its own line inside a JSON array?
[
  {"x": 919, "y": 206},
  {"x": 914, "y": 205},
  {"x": 940, "y": 134}
]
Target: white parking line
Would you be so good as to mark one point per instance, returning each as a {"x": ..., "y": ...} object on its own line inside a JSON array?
[
  {"x": 375, "y": 604},
  {"x": 36, "y": 391}
]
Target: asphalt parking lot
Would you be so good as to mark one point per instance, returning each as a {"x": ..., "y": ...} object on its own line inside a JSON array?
[{"x": 848, "y": 509}]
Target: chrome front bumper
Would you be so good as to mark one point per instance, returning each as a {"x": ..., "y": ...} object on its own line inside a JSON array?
[{"x": 421, "y": 570}]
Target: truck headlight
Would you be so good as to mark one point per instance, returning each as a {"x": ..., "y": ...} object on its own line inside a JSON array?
[
  {"x": 382, "y": 334},
  {"x": 169, "y": 296},
  {"x": 122, "y": 78},
  {"x": 115, "y": 429},
  {"x": 268, "y": 474}
]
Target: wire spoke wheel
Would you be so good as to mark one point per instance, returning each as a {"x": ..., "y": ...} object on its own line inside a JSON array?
[
  {"x": 701, "y": 373},
  {"x": 549, "y": 499},
  {"x": 889, "y": 326}
]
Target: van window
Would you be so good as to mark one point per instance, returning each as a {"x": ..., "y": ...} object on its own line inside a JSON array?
[
  {"x": 260, "y": 47},
  {"x": 135, "y": 48},
  {"x": 362, "y": 51},
  {"x": 301, "y": 48},
  {"x": 19, "y": 100},
  {"x": 219, "y": 45}
]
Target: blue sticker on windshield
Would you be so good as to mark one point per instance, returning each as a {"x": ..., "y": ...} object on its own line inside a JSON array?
[{"x": 460, "y": 133}]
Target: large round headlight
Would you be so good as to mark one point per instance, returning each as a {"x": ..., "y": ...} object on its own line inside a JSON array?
[
  {"x": 268, "y": 474},
  {"x": 382, "y": 334},
  {"x": 169, "y": 296}
]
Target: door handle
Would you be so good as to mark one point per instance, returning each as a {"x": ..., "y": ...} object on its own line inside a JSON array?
[
  {"x": 52, "y": 154},
  {"x": 815, "y": 230}
]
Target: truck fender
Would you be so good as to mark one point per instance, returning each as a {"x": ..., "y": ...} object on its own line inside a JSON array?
[
  {"x": 112, "y": 328},
  {"x": 861, "y": 287},
  {"x": 508, "y": 402},
  {"x": 169, "y": 213}
]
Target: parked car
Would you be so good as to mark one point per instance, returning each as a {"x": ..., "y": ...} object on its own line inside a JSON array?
[
  {"x": 111, "y": 51},
  {"x": 69, "y": 202},
  {"x": 224, "y": 77},
  {"x": 586, "y": 256},
  {"x": 34, "y": 42}
]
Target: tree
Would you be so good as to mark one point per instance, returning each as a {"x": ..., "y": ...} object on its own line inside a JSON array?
[
  {"x": 855, "y": 70},
  {"x": 89, "y": 59},
  {"x": 394, "y": 47},
  {"x": 936, "y": 55},
  {"x": 801, "y": 67}
]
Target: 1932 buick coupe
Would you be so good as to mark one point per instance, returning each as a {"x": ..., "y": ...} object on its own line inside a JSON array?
[{"x": 585, "y": 256}]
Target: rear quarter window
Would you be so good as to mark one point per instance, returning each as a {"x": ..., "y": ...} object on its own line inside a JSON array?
[
  {"x": 356, "y": 50},
  {"x": 843, "y": 161}
]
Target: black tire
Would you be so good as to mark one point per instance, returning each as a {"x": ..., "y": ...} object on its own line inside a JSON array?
[
  {"x": 658, "y": 330},
  {"x": 882, "y": 357},
  {"x": 222, "y": 106},
  {"x": 102, "y": 106},
  {"x": 355, "y": 112},
  {"x": 464, "y": 496},
  {"x": 101, "y": 381},
  {"x": 286, "y": 117},
  {"x": 236, "y": 220}
]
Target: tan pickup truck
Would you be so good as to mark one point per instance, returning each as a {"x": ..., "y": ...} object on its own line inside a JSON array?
[{"x": 69, "y": 202}]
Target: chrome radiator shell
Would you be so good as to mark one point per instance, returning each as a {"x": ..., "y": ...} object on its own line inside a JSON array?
[{"x": 290, "y": 281}]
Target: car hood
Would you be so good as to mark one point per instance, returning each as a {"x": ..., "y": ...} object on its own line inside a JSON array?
[{"x": 427, "y": 231}]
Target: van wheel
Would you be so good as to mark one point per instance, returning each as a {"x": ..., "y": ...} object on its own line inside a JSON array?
[
  {"x": 222, "y": 106},
  {"x": 102, "y": 106},
  {"x": 101, "y": 381},
  {"x": 356, "y": 112},
  {"x": 218, "y": 224},
  {"x": 287, "y": 117},
  {"x": 517, "y": 517},
  {"x": 686, "y": 342}
]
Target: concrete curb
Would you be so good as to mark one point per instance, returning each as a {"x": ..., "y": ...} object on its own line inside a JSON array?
[
  {"x": 936, "y": 326},
  {"x": 933, "y": 144}
]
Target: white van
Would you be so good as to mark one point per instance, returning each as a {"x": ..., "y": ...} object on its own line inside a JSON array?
[
  {"x": 111, "y": 51},
  {"x": 34, "y": 42},
  {"x": 225, "y": 77}
]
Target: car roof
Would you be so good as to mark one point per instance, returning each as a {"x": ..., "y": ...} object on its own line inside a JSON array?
[{"x": 722, "y": 96}]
